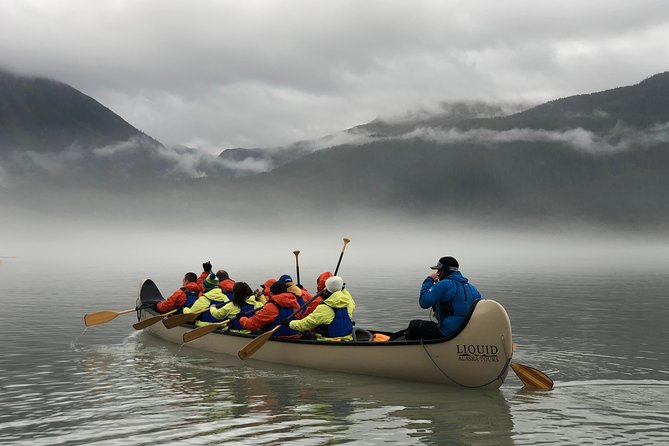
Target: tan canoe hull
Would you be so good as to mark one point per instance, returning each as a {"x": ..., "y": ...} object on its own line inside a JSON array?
[{"x": 478, "y": 357}]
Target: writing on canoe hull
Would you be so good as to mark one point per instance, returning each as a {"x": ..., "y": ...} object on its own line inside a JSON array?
[{"x": 477, "y": 352}]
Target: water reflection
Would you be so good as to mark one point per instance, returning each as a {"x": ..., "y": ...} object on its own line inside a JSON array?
[{"x": 289, "y": 404}]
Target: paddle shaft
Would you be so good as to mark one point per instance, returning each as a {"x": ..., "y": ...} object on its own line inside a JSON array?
[
  {"x": 297, "y": 266},
  {"x": 205, "y": 330},
  {"x": 180, "y": 319},
  {"x": 151, "y": 320},
  {"x": 346, "y": 241}
]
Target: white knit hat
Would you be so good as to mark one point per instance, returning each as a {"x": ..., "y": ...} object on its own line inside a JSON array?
[{"x": 334, "y": 283}]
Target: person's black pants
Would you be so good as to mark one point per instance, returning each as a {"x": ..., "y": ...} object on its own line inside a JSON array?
[{"x": 423, "y": 330}]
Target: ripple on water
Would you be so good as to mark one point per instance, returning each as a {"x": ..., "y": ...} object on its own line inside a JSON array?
[{"x": 602, "y": 411}]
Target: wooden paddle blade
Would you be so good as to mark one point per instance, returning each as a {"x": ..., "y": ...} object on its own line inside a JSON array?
[
  {"x": 179, "y": 319},
  {"x": 101, "y": 317},
  {"x": 255, "y": 345},
  {"x": 531, "y": 377},
  {"x": 151, "y": 320},
  {"x": 201, "y": 331}
]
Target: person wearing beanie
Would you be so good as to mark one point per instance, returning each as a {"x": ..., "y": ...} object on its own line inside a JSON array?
[
  {"x": 213, "y": 295},
  {"x": 183, "y": 297},
  {"x": 222, "y": 275},
  {"x": 332, "y": 318},
  {"x": 290, "y": 285},
  {"x": 211, "y": 281},
  {"x": 280, "y": 305},
  {"x": 451, "y": 297}
]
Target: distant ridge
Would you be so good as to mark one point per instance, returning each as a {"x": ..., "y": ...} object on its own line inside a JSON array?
[
  {"x": 639, "y": 105},
  {"x": 44, "y": 115},
  {"x": 596, "y": 157}
]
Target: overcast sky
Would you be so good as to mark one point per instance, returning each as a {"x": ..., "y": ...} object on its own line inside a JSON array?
[{"x": 221, "y": 74}]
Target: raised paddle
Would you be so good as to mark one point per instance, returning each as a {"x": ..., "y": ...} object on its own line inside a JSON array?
[
  {"x": 151, "y": 320},
  {"x": 531, "y": 377},
  {"x": 297, "y": 266},
  {"x": 101, "y": 317},
  {"x": 346, "y": 241},
  {"x": 260, "y": 340},
  {"x": 204, "y": 330}
]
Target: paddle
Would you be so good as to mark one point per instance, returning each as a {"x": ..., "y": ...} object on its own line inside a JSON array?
[
  {"x": 204, "y": 330},
  {"x": 346, "y": 241},
  {"x": 101, "y": 317},
  {"x": 151, "y": 320},
  {"x": 297, "y": 266},
  {"x": 180, "y": 319},
  {"x": 531, "y": 377}
]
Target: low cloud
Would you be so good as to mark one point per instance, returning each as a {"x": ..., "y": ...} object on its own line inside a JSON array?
[
  {"x": 617, "y": 139},
  {"x": 264, "y": 74},
  {"x": 136, "y": 157}
]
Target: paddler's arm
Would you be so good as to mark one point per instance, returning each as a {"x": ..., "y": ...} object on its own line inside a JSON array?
[
  {"x": 176, "y": 300},
  {"x": 320, "y": 316},
  {"x": 431, "y": 292}
]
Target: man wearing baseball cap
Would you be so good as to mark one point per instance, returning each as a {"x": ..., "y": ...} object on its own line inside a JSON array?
[{"x": 451, "y": 297}]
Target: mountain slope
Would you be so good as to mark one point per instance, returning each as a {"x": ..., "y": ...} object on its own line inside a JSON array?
[
  {"x": 639, "y": 105},
  {"x": 43, "y": 115}
]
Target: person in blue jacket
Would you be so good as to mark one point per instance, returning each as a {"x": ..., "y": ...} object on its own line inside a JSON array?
[{"x": 451, "y": 297}]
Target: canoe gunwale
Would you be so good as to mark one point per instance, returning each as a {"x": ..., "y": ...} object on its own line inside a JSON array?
[{"x": 223, "y": 331}]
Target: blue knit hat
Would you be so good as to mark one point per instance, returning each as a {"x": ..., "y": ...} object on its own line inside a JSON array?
[
  {"x": 210, "y": 282},
  {"x": 285, "y": 278}
]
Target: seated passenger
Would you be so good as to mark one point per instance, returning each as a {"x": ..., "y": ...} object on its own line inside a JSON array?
[
  {"x": 280, "y": 305},
  {"x": 331, "y": 320},
  {"x": 243, "y": 304},
  {"x": 183, "y": 297},
  {"x": 225, "y": 282},
  {"x": 213, "y": 295},
  {"x": 451, "y": 297},
  {"x": 302, "y": 294},
  {"x": 320, "y": 282}
]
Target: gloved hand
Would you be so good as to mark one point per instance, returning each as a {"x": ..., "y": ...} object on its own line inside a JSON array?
[
  {"x": 285, "y": 323},
  {"x": 299, "y": 285},
  {"x": 206, "y": 267}
]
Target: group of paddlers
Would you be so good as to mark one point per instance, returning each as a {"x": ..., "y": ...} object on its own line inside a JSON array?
[{"x": 327, "y": 315}]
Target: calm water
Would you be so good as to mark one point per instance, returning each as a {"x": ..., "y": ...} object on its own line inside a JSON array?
[{"x": 600, "y": 333}]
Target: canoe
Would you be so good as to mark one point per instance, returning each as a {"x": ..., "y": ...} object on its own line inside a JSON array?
[{"x": 477, "y": 357}]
